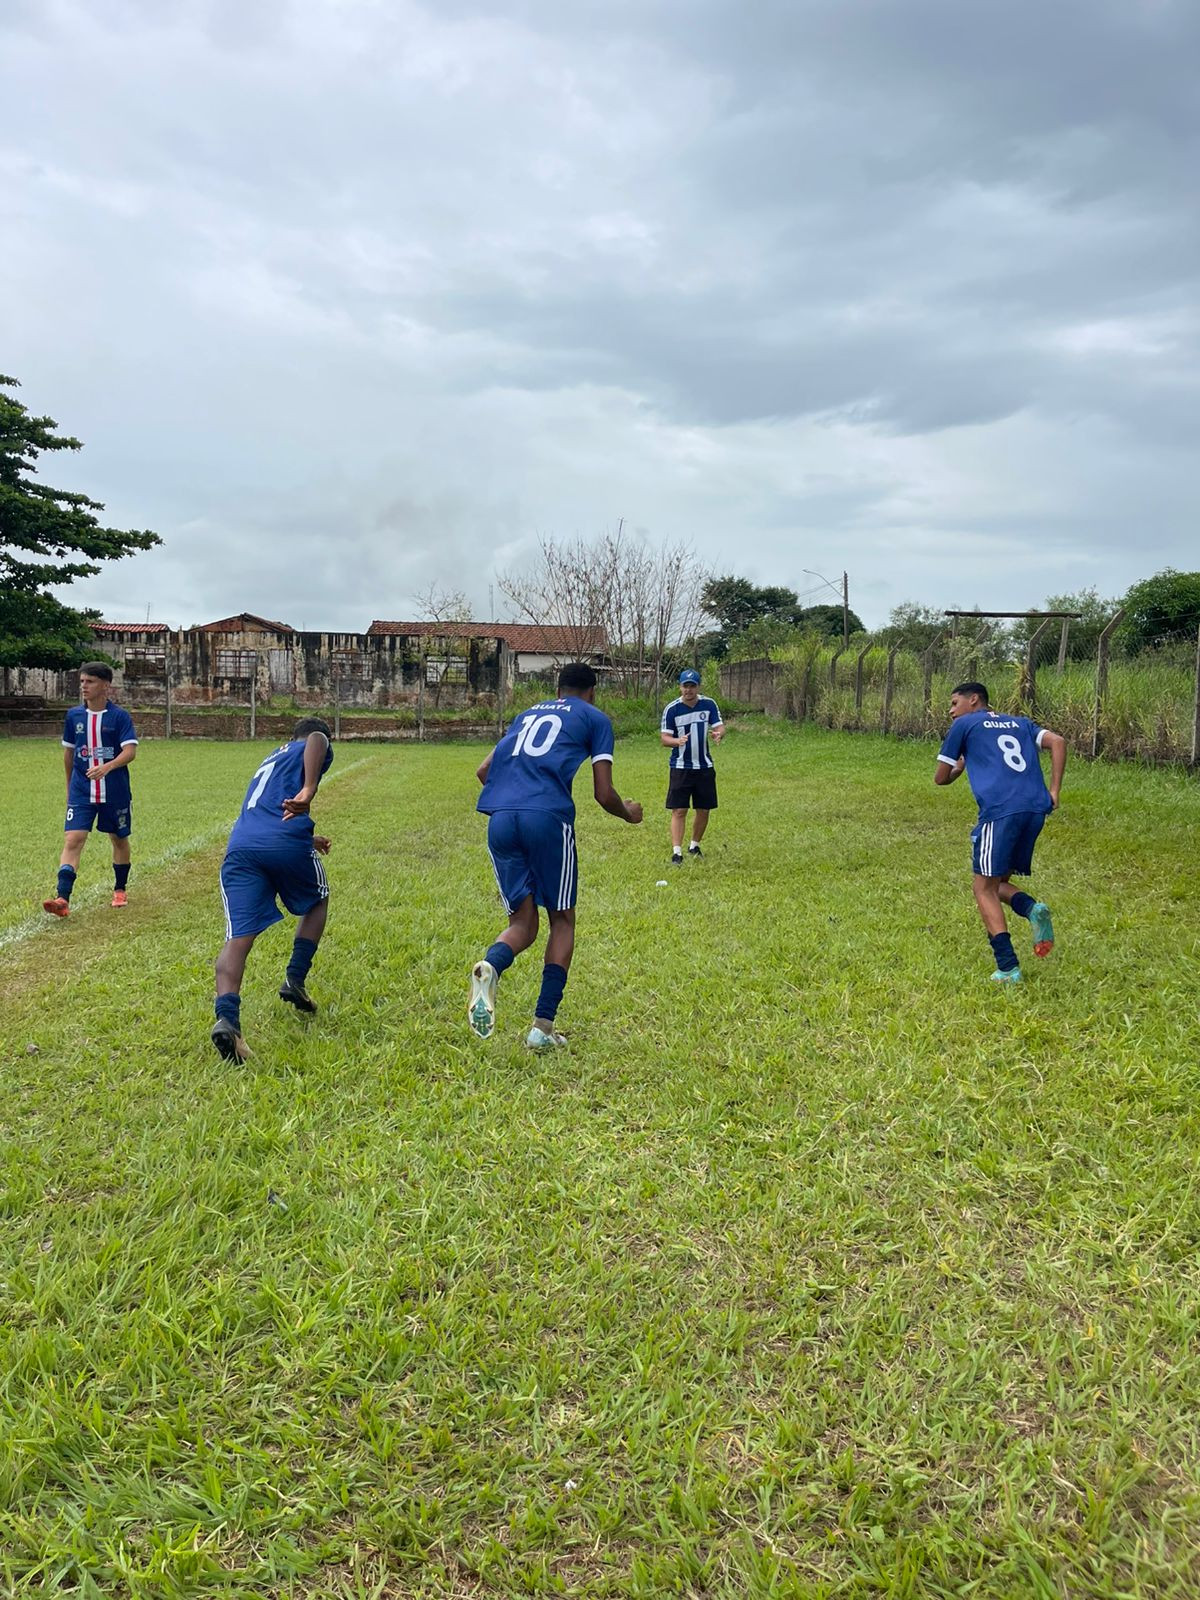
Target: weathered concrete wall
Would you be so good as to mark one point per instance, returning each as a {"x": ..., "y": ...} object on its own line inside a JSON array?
[{"x": 302, "y": 669}]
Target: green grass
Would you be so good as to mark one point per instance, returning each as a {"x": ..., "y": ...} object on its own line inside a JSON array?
[{"x": 813, "y": 1268}]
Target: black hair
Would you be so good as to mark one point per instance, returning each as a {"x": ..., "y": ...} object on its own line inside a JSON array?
[
  {"x": 972, "y": 688},
  {"x": 308, "y": 725},
  {"x": 97, "y": 669},
  {"x": 577, "y": 675}
]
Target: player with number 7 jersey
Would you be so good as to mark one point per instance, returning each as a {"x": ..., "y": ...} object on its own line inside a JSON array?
[
  {"x": 274, "y": 853},
  {"x": 1001, "y": 755},
  {"x": 531, "y": 839}
]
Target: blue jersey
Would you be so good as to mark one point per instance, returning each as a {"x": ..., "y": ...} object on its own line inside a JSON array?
[
  {"x": 1004, "y": 768},
  {"x": 535, "y": 763},
  {"x": 98, "y": 736},
  {"x": 695, "y": 721},
  {"x": 261, "y": 820}
]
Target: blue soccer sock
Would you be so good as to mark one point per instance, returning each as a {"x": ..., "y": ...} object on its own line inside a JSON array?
[
  {"x": 303, "y": 951},
  {"x": 66, "y": 882},
  {"x": 121, "y": 873},
  {"x": 554, "y": 981},
  {"x": 1022, "y": 904},
  {"x": 501, "y": 956},
  {"x": 1002, "y": 949},
  {"x": 229, "y": 1007}
]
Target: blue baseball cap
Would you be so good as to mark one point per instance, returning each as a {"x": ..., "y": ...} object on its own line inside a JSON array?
[{"x": 689, "y": 675}]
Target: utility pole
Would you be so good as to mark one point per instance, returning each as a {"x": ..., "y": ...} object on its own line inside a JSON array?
[{"x": 845, "y": 611}]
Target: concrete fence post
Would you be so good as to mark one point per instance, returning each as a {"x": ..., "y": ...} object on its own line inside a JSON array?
[
  {"x": 927, "y": 673},
  {"x": 889, "y": 684},
  {"x": 833, "y": 661},
  {"x": 1102, "y": 677},
  {"x": 421, "y": 663},
  {"x": 1196, "y": 709},
  {"x": 1062, "y": 646},
  {"x": 337, "y": 705},
  {"x": 1029, "y": 686},
  {"x": 167, "y": 691},
  {"x": 858, "y": 675},
  {"x": 254, "y": 697},
  {"x": 980, "y": 638}
]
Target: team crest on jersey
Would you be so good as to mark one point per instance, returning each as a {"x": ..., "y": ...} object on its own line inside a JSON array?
[{"x": 79, "y": 727}]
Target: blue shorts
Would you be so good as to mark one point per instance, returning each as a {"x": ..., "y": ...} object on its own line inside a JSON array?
[
  {"x": 252, "y": 876},
  {"x": 533, "y": 853},
  {"x": 1006, "y": 845},
  {"x": 103, "y": 814}
]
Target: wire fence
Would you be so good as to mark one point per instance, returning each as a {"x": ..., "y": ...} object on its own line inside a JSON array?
[{"x": 1145, "y": 707}]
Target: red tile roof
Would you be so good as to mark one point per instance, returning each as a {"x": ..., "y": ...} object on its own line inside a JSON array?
[
  {"x": 129, "y": 627},
  {"x": 524, "y": 638},
  {"x": 238, "y": 624}
]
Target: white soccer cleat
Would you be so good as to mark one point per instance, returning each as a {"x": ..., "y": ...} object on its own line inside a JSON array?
[
  {"x": 538, "y": 1039},
  {"x": 481, "y": 1012}
]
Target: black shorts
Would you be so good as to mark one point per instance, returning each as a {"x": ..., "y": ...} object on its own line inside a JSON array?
[{"x": 698, "y": 787}]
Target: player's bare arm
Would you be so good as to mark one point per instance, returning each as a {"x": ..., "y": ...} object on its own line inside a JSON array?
[
  {"x": 944, "y": 772},
  {"x": 607, "y": 797},
  {"x": 101, "y": 769},
  {"x": 320, "y": 843},
  {"x": 484, "y": 767},
  {"x": 298, "y": 805},
  {"x": 717, "y": 732},
  {"x": 1057, "y": 747}
]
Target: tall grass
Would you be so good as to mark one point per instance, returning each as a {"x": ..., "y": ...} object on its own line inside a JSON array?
[{"x": 1146, "y": 712}]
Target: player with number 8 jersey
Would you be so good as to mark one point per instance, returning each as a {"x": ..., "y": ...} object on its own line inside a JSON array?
[
  {"x": 1001, "y": 755},
  {"x": 531, "y": 838}
]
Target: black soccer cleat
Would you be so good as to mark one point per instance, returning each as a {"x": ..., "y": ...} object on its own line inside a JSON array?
[
  {"x": 229, "y": 1042},
  {"x": 297, "y": 995},
  {"x": 676, "y": 861},
  {"x": 695, "y": 852}
]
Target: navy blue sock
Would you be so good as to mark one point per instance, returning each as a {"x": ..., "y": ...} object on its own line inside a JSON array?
[
  {"x": 121, "y": 873},
  {"x": 501, "y": 956},
  {"x": 66, "y": 882},
  {"x": 1022, "y": 904},
  {"x": 1002, "y": 949},
  {"x": 303, "y": 951},
  {"x": 229, "y": 1006},
  {"x": 554, "y": 981}
]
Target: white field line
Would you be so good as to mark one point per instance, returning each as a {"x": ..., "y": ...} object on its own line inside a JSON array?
[{"x": 97, "y": 894}]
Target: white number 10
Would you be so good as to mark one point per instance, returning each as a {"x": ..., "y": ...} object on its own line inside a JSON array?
[{"x": 537, "y": 735}]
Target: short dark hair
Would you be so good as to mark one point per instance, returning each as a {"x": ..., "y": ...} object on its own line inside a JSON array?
[
  {"x": 972, "y": 688},
  {"x": 576, "y": 675},
  {"x": 308, "y": 725},
  {"x": 97, "y": 669}
]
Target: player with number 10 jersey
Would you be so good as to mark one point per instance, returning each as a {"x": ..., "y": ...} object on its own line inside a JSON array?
[
  {"x": 531, "y": 838},
  {"x": 1001, "y": 755}
]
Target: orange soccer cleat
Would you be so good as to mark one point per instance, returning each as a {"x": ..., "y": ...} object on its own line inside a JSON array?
[
  {"x": 120, "y": 898},
  {"x": 58, "y": 907}
]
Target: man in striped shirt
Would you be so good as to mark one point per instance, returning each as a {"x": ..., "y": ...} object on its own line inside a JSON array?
[
  {"x": 99, "y": 742},
  {"x": 688, "y": 725}
]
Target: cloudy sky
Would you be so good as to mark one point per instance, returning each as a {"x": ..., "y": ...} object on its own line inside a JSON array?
[{"x": 346, "y": 297}]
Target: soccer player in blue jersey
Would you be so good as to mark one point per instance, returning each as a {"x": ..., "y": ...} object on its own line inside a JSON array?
[
  {"x": 688, "y": 726},
  {"x": 531, "y": 839},
  {"x": 273, "y": 851},
  {"x": 99, "y": 742},
  {"x": 1002, "y": 758}
]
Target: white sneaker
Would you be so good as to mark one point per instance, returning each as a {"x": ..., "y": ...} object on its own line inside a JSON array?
[
  {"x": 481, "y": 1011},
  {"x": 537, "y": 1040}
]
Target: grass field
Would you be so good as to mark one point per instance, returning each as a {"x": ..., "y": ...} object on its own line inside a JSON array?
[{"x": 815, "y": 1267}]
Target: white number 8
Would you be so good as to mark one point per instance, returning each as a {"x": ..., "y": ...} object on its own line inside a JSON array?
[{"x": 1010, "y": 749}]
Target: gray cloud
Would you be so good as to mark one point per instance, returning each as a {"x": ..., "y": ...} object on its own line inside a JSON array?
[{"x": 347, "y": 298}]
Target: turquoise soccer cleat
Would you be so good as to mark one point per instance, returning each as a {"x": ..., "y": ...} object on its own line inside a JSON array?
[
  {"x": 481, "y": 1009},
  {"x": 1043, "y": 929},
  {"x": 1007, "y": 977},
  {"x": 538, "y": 1039}
]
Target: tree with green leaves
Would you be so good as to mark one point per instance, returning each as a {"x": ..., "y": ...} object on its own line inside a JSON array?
[
  {"x": 1162, "y": 610},
  {"x": 47, "y": 536}
]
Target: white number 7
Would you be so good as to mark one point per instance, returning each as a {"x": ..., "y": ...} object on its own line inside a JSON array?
[{"x": 263, "y": 774}]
